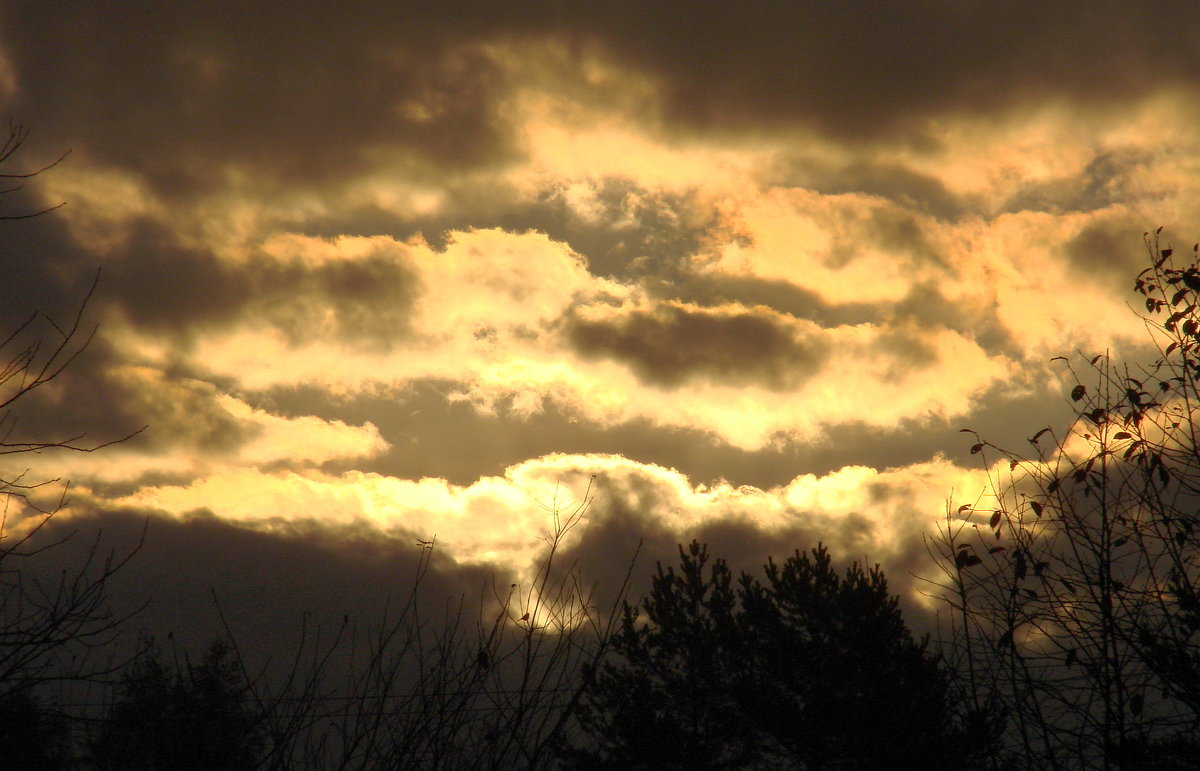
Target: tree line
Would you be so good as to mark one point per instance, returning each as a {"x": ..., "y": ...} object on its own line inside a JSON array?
[{"x": 1067, "y": 637}]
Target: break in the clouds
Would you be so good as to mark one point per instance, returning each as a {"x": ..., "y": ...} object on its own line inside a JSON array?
[{"x": 410, "y": 270}]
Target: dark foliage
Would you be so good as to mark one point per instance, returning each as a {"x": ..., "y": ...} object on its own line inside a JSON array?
[
  {"x": 30, "y": 739},
  {"x": 1073, "y": 581},
  {"x": 809, "y": 669},
  {"x": 192, "y": 719}
]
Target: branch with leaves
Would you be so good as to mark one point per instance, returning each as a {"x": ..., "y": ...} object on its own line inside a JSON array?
[{"x": 1071, "y": 580}]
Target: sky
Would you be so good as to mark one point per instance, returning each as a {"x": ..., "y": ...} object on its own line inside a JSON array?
[{"x": 378, "y": 272}]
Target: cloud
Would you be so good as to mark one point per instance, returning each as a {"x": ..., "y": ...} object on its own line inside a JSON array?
[
  {"x": 505, "y": 519},
  {"x": 670, "y": 343},
  {"x": 191, "y": 430},
  {"x": 285, "y": 99},
  {"x": 266, "y": 93},
  {"x": 858, "y": 74},
  {"x": 404, "y": 270},
  {"x": 276, "y": 591},
  {"x": 361, "y": 295}
]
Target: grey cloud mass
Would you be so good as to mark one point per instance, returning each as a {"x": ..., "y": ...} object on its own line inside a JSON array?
[
  {"x": 163, "y": 285},
  {"x": 172, "y": 91},
  {"x": 671, "y": 344},
  {"x": 374, "y": 271},
  {"x": 293, "y": 98},
  {"x": 892, "y": 181},
  {"x": 865, "y": 72}
]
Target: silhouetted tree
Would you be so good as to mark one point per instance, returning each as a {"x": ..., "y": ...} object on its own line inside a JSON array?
[
  {"x": 499, "y": 690},
  {"x": 55, "y": 624},
  {"x": 811, "y": 669},
  {"x": 193, "y": 718},
  {"x": 1073, "y": 581},
  {"x": 31, "y": 739}
]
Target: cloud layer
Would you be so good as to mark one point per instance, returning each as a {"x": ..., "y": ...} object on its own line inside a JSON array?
[{"x": 417, "y": 270}]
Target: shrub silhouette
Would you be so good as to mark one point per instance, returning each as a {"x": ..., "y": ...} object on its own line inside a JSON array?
[
  {"x": 194, "y": 718},
  {"x": 809, "y": 669},
  {"x": 31, "y": 738},
  {"x": 1074, "y": 580}
]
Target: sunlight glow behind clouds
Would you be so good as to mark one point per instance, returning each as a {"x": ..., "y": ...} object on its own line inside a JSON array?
[
  {"x": 504, "y": 519},
  {"x": 550, "y": 223}
]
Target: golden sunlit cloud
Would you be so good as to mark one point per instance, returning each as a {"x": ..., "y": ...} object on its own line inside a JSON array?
[
  {"x": 540, "y": 231},
  {"x": 504, "y": 519}
]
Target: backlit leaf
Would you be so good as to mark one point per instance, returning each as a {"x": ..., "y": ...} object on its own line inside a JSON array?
[{"x": 965, "y": 559}]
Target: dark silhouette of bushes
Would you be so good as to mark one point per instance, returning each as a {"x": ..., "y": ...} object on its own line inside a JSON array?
[
  {"x": 195, "y": 717},
  {"x": 1073, "y": 583},
  {"x": 31, "y": 738},
  {"x": 810, "y": 669}
]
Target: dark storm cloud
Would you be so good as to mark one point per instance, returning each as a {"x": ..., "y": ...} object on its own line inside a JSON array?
[
  {"x": 1103, "y": 252},
  {"x": 617, "y": 536},
  {"x": 892, "y": 229},
  {"x": 162, "y": 285},
  {"x": 268, "y": 584},
  {"x": 369, "y": 298},
  {"x": 40, "y": 267},
  {"x": 893, "y": 181},
  {"x": 867, "y": 70},
  {"x": 82, "y": 406},
  {"x": 898, "y": 231},
  {"x": 180, "y": 91},
  {"x": 671, "y": 344},
  {"x": 95, "y": 401},
  {"x": 44, "y": 281}
]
